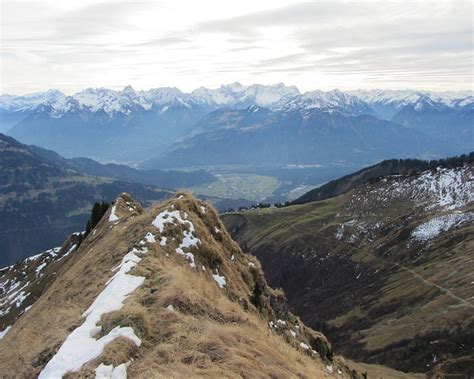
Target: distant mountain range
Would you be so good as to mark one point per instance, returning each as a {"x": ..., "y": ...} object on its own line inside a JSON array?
[{"x": 162, "y": 123}]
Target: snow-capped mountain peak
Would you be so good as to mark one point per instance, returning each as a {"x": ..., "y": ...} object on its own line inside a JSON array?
[
  {"x": 30, "y": 101},
  {"x": 327, "y": 101},
  {"x": 384, "y": 103}
]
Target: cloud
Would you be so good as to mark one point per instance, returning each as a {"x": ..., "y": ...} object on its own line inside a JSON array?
[{"x": 318, "y": 44}]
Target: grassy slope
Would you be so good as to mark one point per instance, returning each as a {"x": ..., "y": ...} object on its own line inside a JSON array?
[
  {"x": 211, "y": 332},
  {"x": 378, "y": 299}
]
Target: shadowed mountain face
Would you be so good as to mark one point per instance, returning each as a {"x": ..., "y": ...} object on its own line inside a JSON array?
[
  {"x": 383, "y": 269},
  {"x": 260, "y": 136},
  {"x": 159, "y": 178},
  {"x": 98, "y": 135},
  {"x": 41, "y": 202}
]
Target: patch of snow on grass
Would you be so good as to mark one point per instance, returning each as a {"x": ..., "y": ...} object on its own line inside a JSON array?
[
  {"x": 445, "y": 188},
  {"x": 5, "y": 331},
  {"x": 437, "y": 225},
  {"x": 80, "y": 346},
  {"x": 150, "y": 238},
  {"x": 20, "y": 298},
  {"x": 40, "y": 267},
  {"x": 34, "y": 257},
  {"x": 304, "y": 346},
  {"x": 113, "y": 217},
  {"x": 69, "y": 251},
  {"x": 110, "y": 372},
  {"x": 220, "y": 280},
  {"x": 173, "y": 217}
]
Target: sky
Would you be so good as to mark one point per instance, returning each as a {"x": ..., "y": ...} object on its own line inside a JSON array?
[{"x": 72, "y": 45}]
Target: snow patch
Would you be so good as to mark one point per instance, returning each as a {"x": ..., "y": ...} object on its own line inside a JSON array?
[
  {"x": 220, "y": 280},
  {"x": 437, "y": 225},
  {"x": 41, "y": 267},
  {"x": 304, "y": 346},
  {"x": 173, "y": 217},
  {"x": 113, "y": 217},
  {"x": 111, "y": 372},
  {"x": 150, "y": 238},
  {"x": 5, "y": 331},
  {"x": 80, "y": 346}
]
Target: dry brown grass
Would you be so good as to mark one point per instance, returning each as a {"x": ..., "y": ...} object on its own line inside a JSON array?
[
  {"x": 212, "y": 331},
  {"x": 135, "y": 316}
]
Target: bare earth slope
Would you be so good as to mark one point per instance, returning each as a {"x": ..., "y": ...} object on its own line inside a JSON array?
[{"x": 385, "y": 270}]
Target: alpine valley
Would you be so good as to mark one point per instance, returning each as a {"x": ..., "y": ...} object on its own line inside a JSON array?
[{"x": 237, "y": 232}]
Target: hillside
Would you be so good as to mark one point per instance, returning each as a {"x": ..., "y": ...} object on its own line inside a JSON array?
[
  {"x": 159, "y": 178},
  {"x": 42, "y": 202},
  {"x": 383, "y": 269},
  {"x": 164, "y": 293},
  {"x": 379, "y": 171}
]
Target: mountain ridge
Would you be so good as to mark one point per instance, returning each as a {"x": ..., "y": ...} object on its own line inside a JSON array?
[
  {"x": 187, "y": 305},
  {"x": 382, "y": 269},
  {"x": 140, "y": 124},
  {"x": 378, "y": 172}
]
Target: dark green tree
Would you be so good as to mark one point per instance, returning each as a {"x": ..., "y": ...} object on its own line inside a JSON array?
[
  {"x": 256, "y": 298},
  {"x": 97, "y": 212}
]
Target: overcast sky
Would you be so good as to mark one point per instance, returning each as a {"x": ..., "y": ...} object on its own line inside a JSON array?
[{"x": 71, "y": 45}]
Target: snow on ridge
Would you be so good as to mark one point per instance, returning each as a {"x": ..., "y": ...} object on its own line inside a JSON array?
[
  {"x": 5, "y": 331},
  {"x": 401, "y": 98},
  {"x": 443, "y": 188},
  {"x": 113, "y": 217},
  {"x": 41, "y": 267},
  {"x": 278, "y": 96},
  {"x": 80, "y": 346},
  {"x": 432, "y": 228},
  {"x": 170, "y": 217}
]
